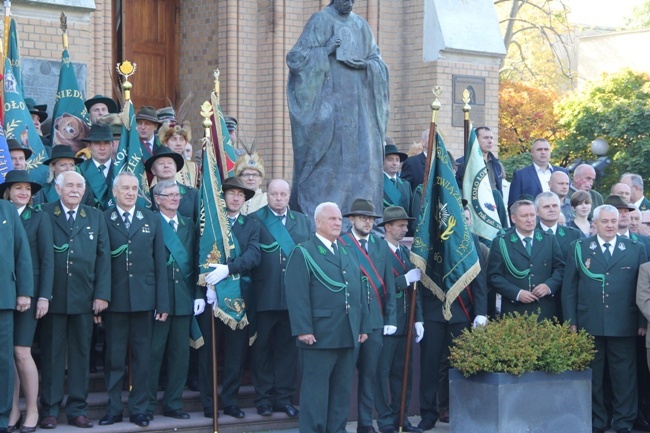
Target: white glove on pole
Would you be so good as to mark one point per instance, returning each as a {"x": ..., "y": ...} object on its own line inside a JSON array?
[
  {"x": 390, "y": 329},
  {"x": 199, "y": 306},
  {"x": 479, "y": 321},
  {"x": 211, "y": 295},
  {"x": 413, "y": 275},
  {"x": 220, "y": 272},
  {"x": 419, "y": 331}
]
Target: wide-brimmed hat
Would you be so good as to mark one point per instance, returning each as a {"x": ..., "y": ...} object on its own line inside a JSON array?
[
  {"x": 166, "y": 114},
  {"x": 32, "y": 108},
  {"x": 39, "y": 107},
  {"x": 394, "y": 213},
  {"x": 164, "y": 152},
  {"x": 99, "y": 132},
  {"x": 618, "y": 202},
  {"x": 147, "y": 112},
  {"x": 18, "y": 176},
  {"x": 391, "y": 149},
  {"x": 236, "y": 183},
  {"x": 15, "y": 145},
  {"x": 231, "y": 122},
  {"x": 101, "y": 99},
  {"x": 361, "y": 206},
  {"x": 62, "y": 151}
]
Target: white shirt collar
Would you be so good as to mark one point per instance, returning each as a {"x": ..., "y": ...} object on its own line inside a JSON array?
[
  {"x": 326, "y": 242},
  {"x": 602, "y": 241},
  {"x": 545, "y": 227},
  {"x": 121, "y": 211}
]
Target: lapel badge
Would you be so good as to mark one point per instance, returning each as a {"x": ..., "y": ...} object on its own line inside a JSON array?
[
  {"x": 593, "y": 245},
  {"x": 621, "y": 246},
  {"x": 560, "y": 231},
  {"x": 139, "y": 215},
  {"x": 113, "y": 216},
  {"x": 145, "y": 228},
  {"x": 514, "y": 238},
  {"x": 57, "y": 211},
  {"x": 538, "y": 236},
  {"x": 82, "y": 213},
  {"x": 322, "y": 250},
  {"x": 587, "y": 263}
]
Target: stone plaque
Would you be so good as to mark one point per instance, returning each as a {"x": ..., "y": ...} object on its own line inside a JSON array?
[
  {"x": 41, "y": 80},
  {"x": 476, "y": 87}
]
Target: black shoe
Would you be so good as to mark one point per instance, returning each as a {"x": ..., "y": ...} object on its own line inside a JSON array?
[
  {"x": 265, "y": 410},
  {"x": 178, "y": 414},
  {"x": 641, "y": 423},
  {"x": 208, "y": 412},
  {"x": 427, "y": 424},
  {"x": 139, "y": 419},
  {"x": 110, "y": 420},
  {"x": 149, "y": 415},
  {"x": 366, "y": 429},
  {"x": 193, "y": 384},
  {"x": 408, "y": 427},
  {"x": 234, "y": 411},
  {"x": 289, "y": 409},
  {"x": 624, "y": 430}
]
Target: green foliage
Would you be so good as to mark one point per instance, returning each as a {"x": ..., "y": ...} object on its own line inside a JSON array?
[
  {"x": 515, "y": 162},
  {"x": 640, "y": 17},
  {"x": 616, "y": 108},
  {"x": 518, "y": 344}
]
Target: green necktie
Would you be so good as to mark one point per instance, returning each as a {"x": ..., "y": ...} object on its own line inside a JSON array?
[
  {"x": 549, "y": 231},
  {"x": 607, "y": 253},
  {"x": 528, "y": 241},
  {"x": 364, "y": 244}
]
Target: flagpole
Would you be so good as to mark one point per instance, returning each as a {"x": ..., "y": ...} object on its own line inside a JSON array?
[
  {"x": 207, "y": 127},
  {"x": 435, "y": 107},
  {"x": 7, "y": 26},
  {"x": 466, "y": 110}
]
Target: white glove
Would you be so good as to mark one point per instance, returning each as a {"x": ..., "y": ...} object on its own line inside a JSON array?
[
  {"x": 419, "y": 331},
  {"x": 479, "y": 321},
  {"x": 211, "y": 295},
  {"x": 220, "y": 272},
  {"x": 390, "y": 329},
  {"x": 199, "y": 306},
  {"x": 413, "y": 275}
]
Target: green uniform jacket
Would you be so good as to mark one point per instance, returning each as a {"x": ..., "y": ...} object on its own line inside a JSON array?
[
  {"x": 16, "y": 270},
  {"x": 315, "y": 308},
  {"x": 565, "y": 236},
  {"x": 405, "y": 192},
  {"x": 39, "y": 234},
  {"x": 189, "y": 204},
  {"x": 607, "y": 310},
  {"x": 545, "y": 264},
  {"x": 399, "y": 268},
  {"x": 268, "y": 276},
  {"x": 82, "y": 261},
  {"x": 645, "y": 204},
  {"x": 102, "y": 187},
  {"x": 139, "y": 265},
  {"x": 382, "y": 308}
]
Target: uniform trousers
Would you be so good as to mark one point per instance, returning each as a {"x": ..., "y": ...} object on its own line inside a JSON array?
[
  {"x": 388, "y": 384},
  {"x": 367, "y": 362},
  {"x": 6, "y": 365}
]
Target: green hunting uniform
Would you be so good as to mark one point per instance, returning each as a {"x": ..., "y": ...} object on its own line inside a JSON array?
[{"x": 100, "y": 184}]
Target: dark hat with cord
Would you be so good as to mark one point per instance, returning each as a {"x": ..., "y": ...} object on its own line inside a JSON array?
[
  {"x": 236, "y": 183},
  {"x": 362, "y": 206},
  {"x": 18, "y": 176},
  {"x": 15, "y": 145},
  {"x": 394, "y": 213},
  {"x": 164, "y": 152}
]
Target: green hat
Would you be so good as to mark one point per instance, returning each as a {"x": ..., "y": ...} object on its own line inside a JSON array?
[
  {"x": 62, "y": 151},
  {"x": 99, "y": 133},
  {"x": 39, "y": 107},
  {"x": 147, "y": 112},
  {"x": 231, "y": 122},
  {"x": 618, "y": 202},
  {"x": 236, "y": 183},
  {"x": 362, "y": 206},
  {"x": 15, "y": 145},
  {"x": 394, "y": 213},
  {"x": 33, "y": 109},
  {"x": 391, "y": 149},
  {"x": 166, "y": 114},
  {"x": 18, "y": 176},
  {"x": 101, "y": 99},
  {"x": 164, "y": 152}
]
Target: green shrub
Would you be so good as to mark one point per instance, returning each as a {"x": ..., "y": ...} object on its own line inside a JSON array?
[{"x": 518, "y": 344}]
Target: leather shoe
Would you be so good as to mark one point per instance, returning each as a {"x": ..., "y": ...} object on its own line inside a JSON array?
[
  {"x": 444, "y": 416},
  {"x": 366, "y": 429},
  {"x": 139, "y": 419},
  {"x": 49, "y": 422},
  {"x": 26, "y": 429},
  {"x": 234, "y": 411},
  {"x": 265, "y": 410},
  {"x": 289, "y": 409},
  {"x": 641, "y": 423},
  {"x": 80, "y": 421},
  {"x": 624, "y": 430},
  {"x": 149, "y": 416},
  {"x": 427, "y": 424},
  {"x": 110, "y": 420},
  {"x": 178, "y": 414},
  {"x": 408, "y": 427},
  {"x": 16, "y": 427}
]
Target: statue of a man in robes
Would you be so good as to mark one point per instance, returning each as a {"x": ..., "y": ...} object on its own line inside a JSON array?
[{"x": 338, "y": 103}]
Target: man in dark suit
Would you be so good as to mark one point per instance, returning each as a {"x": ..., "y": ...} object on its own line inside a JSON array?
[
  {"x": 169, "y": 341},
  {"x": 247, "y": 233},
  {"x": 390, "y": 370},
  {"x": 375, "y": 258},
  {"x": 18, "y": 288},
  {"x": 275, "y": 356},
  {"x": 526, "y": 265},
  {"x": 139, "y": 295},
  {"x": 328, "y": 311},
  {"x": 163, "y": 165},
  {"x": 397, "y": 191},
  {"x": 533, "y": 179},
  {"x": 98, "y": 170},
  {"x": 635, "y": 182},
  {"x": 82, "y": 286},
  {"x": 598, "y": 295}
]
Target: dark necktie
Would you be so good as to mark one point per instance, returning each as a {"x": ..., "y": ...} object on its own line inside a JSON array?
[
  {"x": 281, "y": 218},
  {"x": 127, "y": 221},
  {"x": 364, "y": 244},
  {"x": 101, "y": 169},
  {"x": 335, "y": 249},
  {"x": 398, "y": 253},
  {"x": 71, "y": 219},
  {"x": 528, "y": 241},
  {"x": 232, "y": 221},
  {"x": 172, "y": 223},
  {"x": 392, "y": 179},
  {"x": 549, "y": 231},
  {"x": 607, "y": 253}
]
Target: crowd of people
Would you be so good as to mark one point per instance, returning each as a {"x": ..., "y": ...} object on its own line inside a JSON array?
[{"x": 92, "y": 275}]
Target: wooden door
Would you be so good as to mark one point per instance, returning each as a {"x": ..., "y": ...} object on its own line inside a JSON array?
[{"x": 148, "y": 35}]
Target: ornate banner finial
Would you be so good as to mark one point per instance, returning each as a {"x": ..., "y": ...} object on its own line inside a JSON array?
[
  {"x": 126, "y": 69},
  {"x": 64, "y": 29},
  {"x": 216, "y": 74},
  {"x": 206, "y": 113},
  {"x": 466, "y": 100},
  {"x": 435, "y": 105}
]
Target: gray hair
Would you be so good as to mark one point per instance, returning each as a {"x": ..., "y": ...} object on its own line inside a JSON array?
[
  {"x": 61, "y": 176},
  {"x": 122, "y": 174},
  {"x": 636, "y": 179},
  {"x": 321, "y": 207},
  {"x": 546, "y": 195},
  {"x": 519, "y": 203},
  {"x": 163, "y": 185},
  {"x": 604, "y": 208}
]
